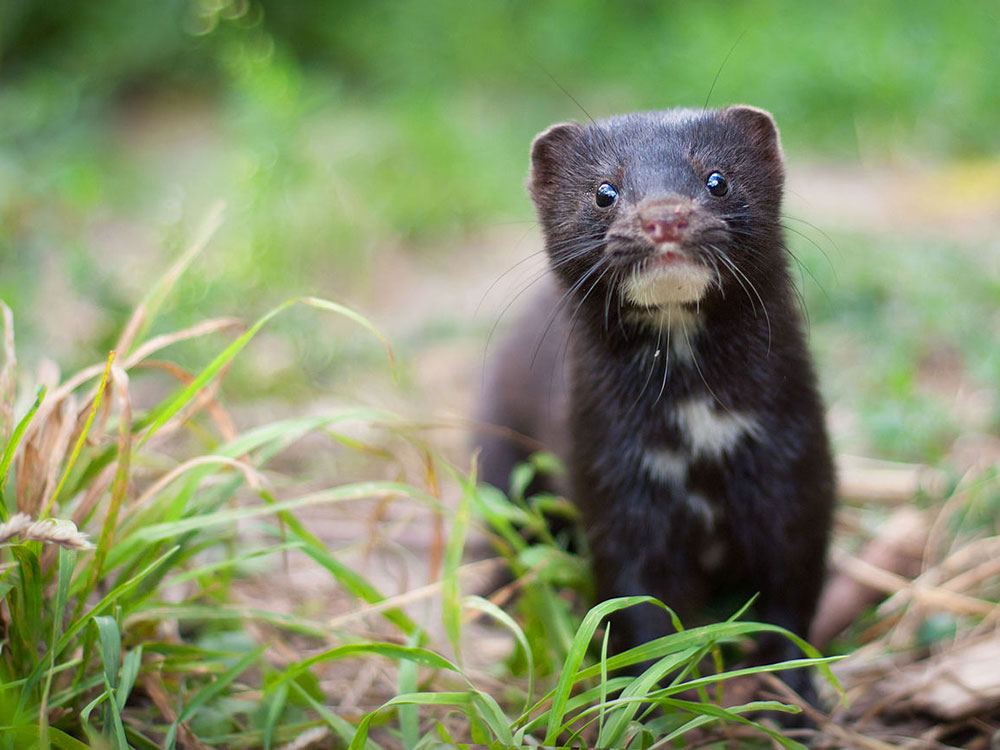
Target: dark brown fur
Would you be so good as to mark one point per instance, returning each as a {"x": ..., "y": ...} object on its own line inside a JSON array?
[{"x": 663, "y": 385}]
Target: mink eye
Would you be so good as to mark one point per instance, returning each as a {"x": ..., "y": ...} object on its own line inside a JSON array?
[
  {"x": 716, "y": 184},
  {"x": 606, "y": 195}
]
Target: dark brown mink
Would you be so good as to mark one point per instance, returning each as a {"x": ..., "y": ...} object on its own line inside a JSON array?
[{"x": 665, "y": 363}]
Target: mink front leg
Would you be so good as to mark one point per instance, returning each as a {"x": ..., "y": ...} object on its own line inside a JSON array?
[
  {"x": 786, "y": 555},
  {"x": 647, "y": 553}
]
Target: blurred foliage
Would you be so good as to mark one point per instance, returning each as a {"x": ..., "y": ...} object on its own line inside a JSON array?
[
  {"x": 891, "y": 73},
  {"x": 886, "y": 329}
]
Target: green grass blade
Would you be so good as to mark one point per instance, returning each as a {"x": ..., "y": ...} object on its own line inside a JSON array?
[
  {"x": 164, "y": 412},
  {"x": 79, "y": 623},
  {"x": 145, "y": 536},
  {"x": 64, "y": 575},
  {"x": 451, "y": 606},
  {"x": 697, "y": 721},
  {"x": 585, "y": 699},
  {"x": 130, "y": 671},
  {"x": 85, "y": 712},
  {"x": 356, "y": 584},
  {"x": 212, "y": 612},
  {"x": 489, "y": 608},
  {"x": 113, "y": 718},
  {"x": 492, "y": 715},
  {"x": 231, "y": 562},
  {"x": 211, "y": 691},
  {"x": 619, "y": 720},
  {"x": 358, "y": 490},
  {"x": 27, "y": 737},
  {"x": 361, "y": 320},
  {"x": 109, "y": 643},
  {"x": 620, "y": 712},
  {"x": 604, "y": 680},
  {"x": 821, "y": 662},
  {"x": 339, "y": 725},
  {"x": 733, "y": 715},
  {"x": 275, "y": 705},
  {"x": 696, "y": 637},
  {"x": 409, "y": 718},
  {"x": 159, "y": 416},
  {"x": 458, "y": 700},
  {"x": 415, "y": 654},
  {"x": 578, "y": 649},
  {"x": 290, "y": 430},
  {"x": 31, "y": 596},
  {"x": 119, "y": 487}
]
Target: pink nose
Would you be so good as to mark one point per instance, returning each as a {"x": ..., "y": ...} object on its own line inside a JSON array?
[{"x": 665, "y": 228}]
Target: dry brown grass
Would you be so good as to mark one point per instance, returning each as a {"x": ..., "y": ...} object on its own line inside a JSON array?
[{"x": 906, "y": 686}]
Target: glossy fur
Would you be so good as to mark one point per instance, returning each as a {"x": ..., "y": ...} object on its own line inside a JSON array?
[{"x": 692, "y": 430}]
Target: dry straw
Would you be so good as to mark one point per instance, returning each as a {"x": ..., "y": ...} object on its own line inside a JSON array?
[{"x": 49, "y": 531}]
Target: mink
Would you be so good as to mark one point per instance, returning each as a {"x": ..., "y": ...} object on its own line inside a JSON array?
[{"x": 665, "y": 363}]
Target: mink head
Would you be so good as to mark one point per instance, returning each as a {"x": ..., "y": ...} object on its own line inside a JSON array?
[{"x": 661, "y": 209}]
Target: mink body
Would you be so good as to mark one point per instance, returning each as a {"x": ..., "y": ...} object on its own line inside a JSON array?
[{"x": 667, "y": 366}]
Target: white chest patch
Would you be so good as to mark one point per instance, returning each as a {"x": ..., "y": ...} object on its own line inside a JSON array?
[
  {"x": 669, "y": 467},
  {"x": 711, "y": 432},
  {"x": 665, "y": 466},
  {"x": 701, "y": 508}
]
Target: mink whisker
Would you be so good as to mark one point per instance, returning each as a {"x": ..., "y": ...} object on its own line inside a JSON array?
[
  {"x": 550, "y": 267},
  {"x": 666, "y": 358},
  {"x": 564, "y": 300},
  {"x": 652, "y": 365},
  {"x": 826, "y": 236},
  {"x": 736, "y": 274}
]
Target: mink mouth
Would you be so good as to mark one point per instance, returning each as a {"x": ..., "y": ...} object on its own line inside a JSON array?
[
  {"x": 664, "y": 276},
  {"x": 668, "y": 256},
  {"x": 640, "y": 257},
  {"x": 664, "y": 284}
]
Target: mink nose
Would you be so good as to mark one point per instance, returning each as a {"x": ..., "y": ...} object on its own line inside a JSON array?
[{"x": 665, "y": 225}]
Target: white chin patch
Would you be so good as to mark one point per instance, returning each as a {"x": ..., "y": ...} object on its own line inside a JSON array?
[{"x": 663, "y": 285}]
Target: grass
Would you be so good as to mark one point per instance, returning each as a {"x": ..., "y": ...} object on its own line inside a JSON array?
[
  {"x": 331, "y": 133},
  {"x": 135, "y": 637}
]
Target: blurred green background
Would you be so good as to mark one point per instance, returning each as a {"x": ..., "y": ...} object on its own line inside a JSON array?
[{"x": 344, "y": 137}]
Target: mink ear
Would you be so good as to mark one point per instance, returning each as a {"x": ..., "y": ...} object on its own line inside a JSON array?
[
  {"x": 759, "y": 125},
  {"x": 548, "y": 152}
]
